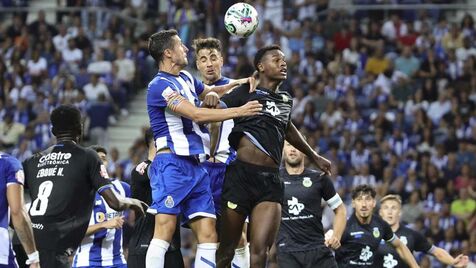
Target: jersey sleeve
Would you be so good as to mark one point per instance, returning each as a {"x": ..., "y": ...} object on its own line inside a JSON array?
[
  {"x": 199, "y": 86},
  {"x": 329, "y": 193},
  {"x": 13, "y": 171},
  {"x": 237, "y": 97},
  {"x": 421, "y": 243},
  {"x": 97, "y": 172},
  {"x": 158, "y": 93},
  {"x": 127, "y": 188},
  {"x": 388, "y": 234}
]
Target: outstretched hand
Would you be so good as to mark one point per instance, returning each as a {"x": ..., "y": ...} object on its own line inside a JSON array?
[
  {"x": 461, "y": 261},
  {"x": 322, "y": 163}
]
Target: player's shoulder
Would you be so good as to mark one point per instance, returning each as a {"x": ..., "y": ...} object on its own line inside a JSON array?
[
  {"x": 9, "y": 160},
  {"x": 379, "y": 221},
  {"x": 161, "y": 80}
]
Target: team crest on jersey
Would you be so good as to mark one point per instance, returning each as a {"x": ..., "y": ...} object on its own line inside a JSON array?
[
  {"x": 100, "y": 217},
  {"x": 169, "y": 202},
  {"x": 231, "y": 205},
  {"x": 285, "y": 98},
  {"x": 306, "y": 182},
  {"x": 20, "y": 176},
  {"x": 376, "y": 232}
]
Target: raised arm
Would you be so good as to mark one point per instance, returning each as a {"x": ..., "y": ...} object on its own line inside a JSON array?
[
  {"x": 181, "y": 106},
  {"x": 296, "y": 139},
  {"x": 120, "y": 203}
]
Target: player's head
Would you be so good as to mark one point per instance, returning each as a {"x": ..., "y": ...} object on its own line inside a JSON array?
[
  {"x": 363, "y": 200},
  {"x": 166, "y": 46},
  {"x": 66, "y": 122},
  {"x": 208, "y": 58},
  {"x": 270, "y": 62},
  {"x": 102, "y": 153},
  {"x": 292, "y": 156},
  {"x": 391, "y": 208}
]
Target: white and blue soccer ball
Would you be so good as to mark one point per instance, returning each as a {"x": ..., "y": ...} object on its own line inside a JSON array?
[{"x": 241, "y": 20}]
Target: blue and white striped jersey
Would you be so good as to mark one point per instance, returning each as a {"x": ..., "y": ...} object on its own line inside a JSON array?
[
  {"x": 181, "y": 135},
  {"x": 103, "y": 248},
  {"x": 223, "y": 152},
  {"x": 11, "y": 172}
]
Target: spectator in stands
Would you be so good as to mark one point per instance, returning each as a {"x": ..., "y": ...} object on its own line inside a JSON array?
[
  {"x": 463, "y": 207},
  {"x": 10, "y": 131},
  {"x": 99, "y": 113},
  {"x": 93, "y": 89},
  {"x": 407, "y": 63},
  {"x": 377, "y": 64},
  {"x": 61, "y": 39}
]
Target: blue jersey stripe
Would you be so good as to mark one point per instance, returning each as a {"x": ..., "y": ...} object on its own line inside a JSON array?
[{"x": 180, "y": 134}]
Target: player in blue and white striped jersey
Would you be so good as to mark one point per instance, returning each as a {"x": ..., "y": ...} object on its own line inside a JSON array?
[
  {"x": 209, "y": 61},
  {"x": 11, "y": 201},
  {"x": 180, "y": 185},
  {"x": 102, "y": 245}
]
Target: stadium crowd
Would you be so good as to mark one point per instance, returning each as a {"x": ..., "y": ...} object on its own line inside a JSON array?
[{"x": 390, "y": 100}]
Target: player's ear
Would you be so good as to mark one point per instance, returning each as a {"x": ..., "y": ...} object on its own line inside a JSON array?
[{"x": 260, "y": 67}]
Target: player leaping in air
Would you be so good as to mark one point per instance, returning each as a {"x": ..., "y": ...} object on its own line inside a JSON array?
[
  {"x": 252, "y": 185},
  {"x": 180, "y": 185}
]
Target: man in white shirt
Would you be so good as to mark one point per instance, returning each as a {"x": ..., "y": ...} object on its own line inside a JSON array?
[
  {"x": 94, "y": 88},
  {"x": 61, "y": 39}
]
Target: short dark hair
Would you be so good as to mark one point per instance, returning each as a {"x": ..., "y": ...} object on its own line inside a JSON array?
[
  {"x": 261, "y": 52},
  {"x": 159, "y": 42},
  {"x": 363, "y": 189},
  {"x": 148, "y": 137},
  {"x": 98, "y": 149},
  {"x": 66, "y": 119},
  {"x": 206, "y": 43}
]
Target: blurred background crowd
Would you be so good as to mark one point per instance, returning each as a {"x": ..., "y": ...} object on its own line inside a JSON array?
[{"x": 388, "y": 96}]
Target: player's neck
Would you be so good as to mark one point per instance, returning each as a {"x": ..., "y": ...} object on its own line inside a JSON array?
[
  {"x": 66, "y": 138},
  {"x": 270, "y": 84},
  {"x": 294, "y": 170},
  {"x": 364, "y": 220},
  {"x": 395, "y": 226},
  {"x": 170, "y": 68},
  {"x": 211, "y": 82}
]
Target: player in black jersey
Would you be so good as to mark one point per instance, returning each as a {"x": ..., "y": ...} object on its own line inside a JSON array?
[
  {"x": 387, "y": 257},
  {"x": 252, "y": 185},
  {"x": 144, "y": 226},
  {"x": 364, "y": 231},
  {"x": 63, "y": 180},
  {"x": 300, "y": 240}
]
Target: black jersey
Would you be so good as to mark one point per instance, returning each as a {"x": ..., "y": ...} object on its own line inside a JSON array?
[
  {"x": 266, "y": 130},
  {"x": 63, "y": 181},
  {"x": 360, "y": 242},
  {"x": 140, "y": 183},
  {"x": 301, "y": 219},
  {"x": 387, "y": 256}
]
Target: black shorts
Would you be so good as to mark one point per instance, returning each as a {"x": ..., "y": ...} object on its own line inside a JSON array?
[
  {"x": 319, "y": 257},
  {"x": 54, "y": 259},
  {"x": 246, "y": 185}
]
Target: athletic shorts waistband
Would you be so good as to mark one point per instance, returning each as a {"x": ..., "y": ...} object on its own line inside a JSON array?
[
  {"x": 214, "y": 164},
  {"x": 255, "y": 168}
]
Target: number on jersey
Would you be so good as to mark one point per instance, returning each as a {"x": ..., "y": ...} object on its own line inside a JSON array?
[{"x": 40, "y": 204}]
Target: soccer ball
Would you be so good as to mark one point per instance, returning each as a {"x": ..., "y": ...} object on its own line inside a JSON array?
[{"x": 241, "y": 19}]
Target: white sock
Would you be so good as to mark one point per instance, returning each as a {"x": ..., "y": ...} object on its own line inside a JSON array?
[
  {"x": 241, "y": 258},
  {"x": 205, "y": 257},
  {"x": 155, "y": 257}
]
